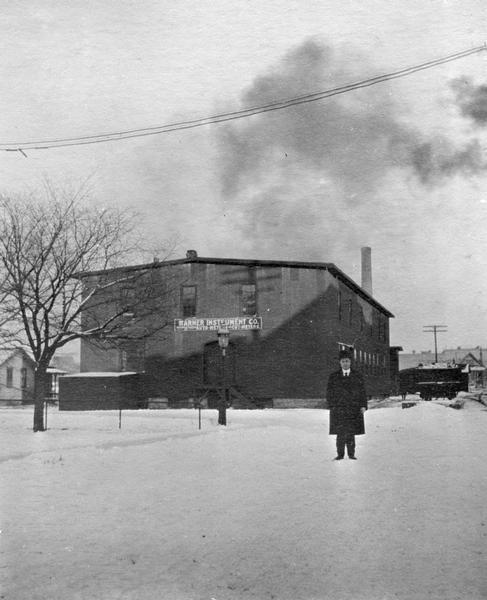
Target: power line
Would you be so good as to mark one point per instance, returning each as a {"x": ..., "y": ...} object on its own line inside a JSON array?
[
  {"x": 233, "y": 115},
  {"x": 435, "y": 329}
]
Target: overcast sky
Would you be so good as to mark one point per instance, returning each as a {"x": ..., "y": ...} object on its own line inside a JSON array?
[{"x": 400, "y": 166}]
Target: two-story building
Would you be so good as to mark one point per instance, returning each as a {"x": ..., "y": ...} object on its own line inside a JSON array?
[{"x": 304, "y": 313}]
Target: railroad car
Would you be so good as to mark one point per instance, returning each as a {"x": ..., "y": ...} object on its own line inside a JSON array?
[{"x": 434, "y": 381}]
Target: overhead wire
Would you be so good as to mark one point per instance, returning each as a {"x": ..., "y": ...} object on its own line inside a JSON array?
[{"x": 232, "y": 115}]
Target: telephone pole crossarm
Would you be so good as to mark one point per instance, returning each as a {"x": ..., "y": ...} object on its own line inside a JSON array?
[{"x": 435, "y": 329}]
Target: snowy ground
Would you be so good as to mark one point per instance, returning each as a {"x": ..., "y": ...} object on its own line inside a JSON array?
[{"x": 258, "y": 510}]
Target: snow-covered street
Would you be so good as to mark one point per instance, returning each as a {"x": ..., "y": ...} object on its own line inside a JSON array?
[{"x": 162, "y": 510}]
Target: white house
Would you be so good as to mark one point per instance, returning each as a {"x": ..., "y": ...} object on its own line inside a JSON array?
[{"x": 16, "y": 376}]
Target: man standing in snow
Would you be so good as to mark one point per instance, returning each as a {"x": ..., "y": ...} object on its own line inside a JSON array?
[{"x": 347, "y": 402}]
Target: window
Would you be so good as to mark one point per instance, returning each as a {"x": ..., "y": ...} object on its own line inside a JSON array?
[
  {"x": 350, "y": 311},
  {"x": 188, "y": 301},
  {"x": 132, "y": 356},
  {"x": 23, "y": 378},
  {"x": 10, "y": 377},
  {"x": 249, "y": 300},
  {"x": 127, "y": 299},
  {"x": 123, "y": 360},
  {"x": 339, "y": 300},
  {"x": 294, "y": 274}
]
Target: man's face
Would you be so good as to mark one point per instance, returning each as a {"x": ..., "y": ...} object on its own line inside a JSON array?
[{"x": 345, "y": 363}]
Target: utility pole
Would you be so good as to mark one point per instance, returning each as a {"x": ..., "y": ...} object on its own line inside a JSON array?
[{"x": 435, "y": 329}]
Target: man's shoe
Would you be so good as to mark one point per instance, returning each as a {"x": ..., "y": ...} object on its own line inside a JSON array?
[
  {"x": 338, "y": 458},
  {"x": 352, "y": 457}
]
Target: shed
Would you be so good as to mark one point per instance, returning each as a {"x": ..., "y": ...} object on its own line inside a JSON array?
[{"x": 101, "y": 391}]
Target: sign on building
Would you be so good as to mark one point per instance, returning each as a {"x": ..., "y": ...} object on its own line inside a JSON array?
[{"x": 230, "y": 323}]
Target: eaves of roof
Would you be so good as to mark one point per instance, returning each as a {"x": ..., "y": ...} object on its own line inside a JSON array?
[
  {"x": 6, "y": 354},
  {"x": 332, "y": 268}
]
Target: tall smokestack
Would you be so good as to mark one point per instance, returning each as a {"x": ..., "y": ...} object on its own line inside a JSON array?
[{"x": 367, "y": 269}]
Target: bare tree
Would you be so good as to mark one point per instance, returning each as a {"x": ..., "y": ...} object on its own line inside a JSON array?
[{"x": 44, "y": 246}]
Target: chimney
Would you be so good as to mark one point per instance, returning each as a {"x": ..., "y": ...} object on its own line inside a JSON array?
[
  {"x": 191, "y": 254},
  {"x": 367, "y": 269}
]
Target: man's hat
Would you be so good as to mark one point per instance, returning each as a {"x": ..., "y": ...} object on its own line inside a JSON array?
[{"x": 345, "y": 354}]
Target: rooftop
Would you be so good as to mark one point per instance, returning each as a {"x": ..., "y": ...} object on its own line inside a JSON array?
[{"x": 192, "y": 258}]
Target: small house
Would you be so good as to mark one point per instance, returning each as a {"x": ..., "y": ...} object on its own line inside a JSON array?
[{"x": 16, "y": 376}]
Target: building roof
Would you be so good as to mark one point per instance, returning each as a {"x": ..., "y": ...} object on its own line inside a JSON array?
[
  {"x": 101, "y": 374},
  {"x": 450, "y": 355},
  {"x": 194, "y": 258},
  {"x": 7, "y": 353}
]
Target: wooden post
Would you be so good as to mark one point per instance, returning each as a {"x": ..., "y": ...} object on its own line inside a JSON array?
[{"x": 222, "y": 405}]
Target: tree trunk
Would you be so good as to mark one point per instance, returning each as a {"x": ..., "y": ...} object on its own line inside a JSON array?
[{"x": 40, "y": 389}]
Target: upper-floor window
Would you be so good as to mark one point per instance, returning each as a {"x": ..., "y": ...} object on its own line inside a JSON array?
[
  {"x": 188, "y": 301},
  {"x": 249, "y": 299},
  {"x": 350, "y": 311},
  {"x": 10, "y": 377},
  {"x": 127, "y": 299},
  {"x": 294, "y": 274},
  {"x": 339, "y": 301}
]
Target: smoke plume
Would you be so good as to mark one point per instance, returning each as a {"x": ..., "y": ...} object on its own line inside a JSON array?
[
  {"x": 472, "y": 100},
  {"x": 285, "y": 167}
]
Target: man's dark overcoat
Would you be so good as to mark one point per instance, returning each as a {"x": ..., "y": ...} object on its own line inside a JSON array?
[{"x": 345, "y": 397}]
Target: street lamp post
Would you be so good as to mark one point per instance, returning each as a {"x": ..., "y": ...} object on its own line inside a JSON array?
[{"x": 223, "y": 340}]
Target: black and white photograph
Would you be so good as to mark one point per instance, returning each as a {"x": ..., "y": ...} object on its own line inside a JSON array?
[{"x": 243, "y": 300}]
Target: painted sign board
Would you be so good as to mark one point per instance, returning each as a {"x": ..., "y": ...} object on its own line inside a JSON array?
[{"x": 230, "y": 323}]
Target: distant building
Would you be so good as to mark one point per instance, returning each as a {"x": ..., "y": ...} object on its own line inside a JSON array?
[
  {"x": 449, "y": 355},
  {"x": 473, "y": 357},
  {"x": 68, "y": 363},
  {"x": 17, "y": 372},
  {"x": 308, "y": 310},
  {"x": 16, "y": 376}
]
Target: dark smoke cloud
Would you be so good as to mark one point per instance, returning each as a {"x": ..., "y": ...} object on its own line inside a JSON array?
[
  {"x": 346, "y": 138},
  {"x": 437, "y": 159},
  {"x": 304, "y": 178},
  {"x": 353, "y": 139},
  {"x": 472, "y": 100}
]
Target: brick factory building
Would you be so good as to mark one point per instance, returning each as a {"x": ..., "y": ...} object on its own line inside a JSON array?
[{"x": 304, "y": 313}]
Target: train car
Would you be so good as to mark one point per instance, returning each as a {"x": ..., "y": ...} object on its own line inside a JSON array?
[{"x": 434, "y": 381}]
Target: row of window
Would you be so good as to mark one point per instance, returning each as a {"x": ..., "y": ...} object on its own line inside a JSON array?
[
  {"x": 371, "y": 363},
  {"x": 248, "y": 300},
  {"x": 248, "y": 306}
]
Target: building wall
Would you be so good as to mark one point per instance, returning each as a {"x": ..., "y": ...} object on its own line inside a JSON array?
[
  {"x": 291, "y": 357},
  {"x": 98, "y": 392}
]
